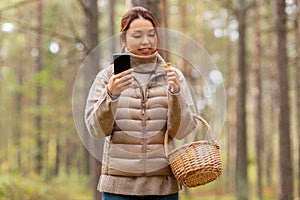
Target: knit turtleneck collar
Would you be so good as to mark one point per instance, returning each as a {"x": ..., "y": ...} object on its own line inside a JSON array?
[{"x": 143, "y": 64}]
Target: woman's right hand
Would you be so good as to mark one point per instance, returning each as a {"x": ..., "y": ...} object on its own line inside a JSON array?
[{"x": 119, "y": 82}]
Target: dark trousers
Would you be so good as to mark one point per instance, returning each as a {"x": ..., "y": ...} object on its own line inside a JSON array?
[{"x": 109, "y": 196}]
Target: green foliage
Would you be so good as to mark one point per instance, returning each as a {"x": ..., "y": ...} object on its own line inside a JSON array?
[{"x": 18, "y": 187}]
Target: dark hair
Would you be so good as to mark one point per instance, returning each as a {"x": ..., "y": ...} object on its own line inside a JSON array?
[{"x": 132, "y": 14}]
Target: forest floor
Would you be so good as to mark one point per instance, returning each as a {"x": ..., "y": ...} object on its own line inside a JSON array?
[
  {"x": 218, "y": 191},
  {"x": 32, "y": 187}
]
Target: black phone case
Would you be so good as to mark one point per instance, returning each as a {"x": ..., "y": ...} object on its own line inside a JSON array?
[{"x": 121, "y": 62}]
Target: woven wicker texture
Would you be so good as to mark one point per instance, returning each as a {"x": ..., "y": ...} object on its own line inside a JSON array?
[{"x": 196, "y": 163}]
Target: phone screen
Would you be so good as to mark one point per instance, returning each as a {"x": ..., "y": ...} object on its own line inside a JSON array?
[{"x": 121, "y": 62}]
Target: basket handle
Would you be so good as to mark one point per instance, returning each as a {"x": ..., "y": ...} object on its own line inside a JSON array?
[{"x": 201, "y": 119}]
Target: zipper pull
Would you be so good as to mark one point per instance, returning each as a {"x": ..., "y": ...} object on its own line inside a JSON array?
[{"x": 143, "y": 108}]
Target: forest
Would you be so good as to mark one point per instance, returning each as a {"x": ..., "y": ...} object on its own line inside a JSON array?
[{"x": 246, "y": 84}]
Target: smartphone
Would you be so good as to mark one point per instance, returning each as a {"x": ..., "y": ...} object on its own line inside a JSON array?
[{"x": 121, "y": 62}]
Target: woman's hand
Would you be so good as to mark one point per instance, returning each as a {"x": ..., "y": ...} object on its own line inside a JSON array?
[
  {"x": 119, "y": 82},
  {"x": 173, "y": 80}
]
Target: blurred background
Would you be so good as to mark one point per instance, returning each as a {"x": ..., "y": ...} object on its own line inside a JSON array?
[{"x": 255, "y": 45}]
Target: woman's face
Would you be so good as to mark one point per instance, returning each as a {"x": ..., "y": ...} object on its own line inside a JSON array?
[{"x": 141, "y": 37}]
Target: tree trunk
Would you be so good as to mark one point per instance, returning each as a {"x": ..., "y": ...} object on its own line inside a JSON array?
[
  {"x": 19, "y": 117},
  {"x": 151, "y": 5},
  {"x": 111, "y": 27},
  {"x": 242, "y": 156},
  {"x": 68, "y": 156},
  {"x": 231, "y": 115},
  {"x": 297, "y": 81},
  {"x": 38, "y": 100},
  {"x": 231, "y": 112},
  {"x": 271, "y": 123},
  {"x": 90, "y": 8},
  {"x": 183, "y": 26},
  {"x": 164, "y": 13},
  {"x": 57, "y": 155},
  {"x": 259, "y": 108},
  {"x": 270, "y": 145},
  {"x": 285, "y": 163},
  {"x": 271, "y": 119}
]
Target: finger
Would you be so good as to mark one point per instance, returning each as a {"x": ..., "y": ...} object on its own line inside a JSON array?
[
  {"x": 174, "y": 86},
  {"x": 174, "y": 79},
  {"x": 124, "y": 79},
  {"x": 169, "y": 70},
  {"x": 174, "y": 82},
  {"x": 124, "y": 73},
  {"x": 172, "y": 73},
  {"x": 126, "y": 82},
  {"x": 171, "y": 83},
  {"x": 173, "y": 76},
  {"x": 127, "y": 85}
]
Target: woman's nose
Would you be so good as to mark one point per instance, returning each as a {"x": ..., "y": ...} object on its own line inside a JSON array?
[{"x": 145, "y": 40}]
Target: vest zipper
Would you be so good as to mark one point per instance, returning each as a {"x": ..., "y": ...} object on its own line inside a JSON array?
[
  {"x": 144, "y": 138},
  {"x": 144, "y": 131}
]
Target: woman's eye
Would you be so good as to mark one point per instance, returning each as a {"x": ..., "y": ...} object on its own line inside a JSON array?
[
  {"x": 136, "y": 36},
  {"x": 151, "y": 35}
]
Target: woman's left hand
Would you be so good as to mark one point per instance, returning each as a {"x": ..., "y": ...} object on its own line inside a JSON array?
[{"x": 173, "y": 80}]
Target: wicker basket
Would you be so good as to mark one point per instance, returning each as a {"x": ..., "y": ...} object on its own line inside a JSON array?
[{"x": 196, "y": 163}]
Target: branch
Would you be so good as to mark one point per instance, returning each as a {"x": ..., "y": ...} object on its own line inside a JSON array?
[
  {"x": 84, "y": 6},
  {"x": 64, "y": 37},
  {"x": 17, "y": 5},
  {"x": 81, "y": 2},
  {"x": 244, "y": 8},
  {"x": 75, "y": 34},
  {"x": 250, "y": 5}
]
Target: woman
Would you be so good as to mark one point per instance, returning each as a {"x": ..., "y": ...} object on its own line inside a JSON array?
[{"x": 133, "y": 110}]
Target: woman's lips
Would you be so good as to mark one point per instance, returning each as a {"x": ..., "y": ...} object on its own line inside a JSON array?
[{"x": 145, "y": 50}]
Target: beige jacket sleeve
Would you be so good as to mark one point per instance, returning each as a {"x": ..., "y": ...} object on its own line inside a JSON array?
[
  {"x": 181, "y": 109},
  {"x": 99, "y": 112}
]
